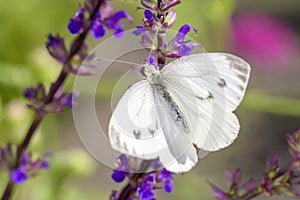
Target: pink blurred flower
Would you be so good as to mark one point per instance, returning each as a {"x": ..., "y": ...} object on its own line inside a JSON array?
[{"x": 263, "y": 40}]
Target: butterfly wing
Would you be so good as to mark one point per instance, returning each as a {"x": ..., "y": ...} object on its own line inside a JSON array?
[
  {"x": 180, "y": 156},
  {"x": 209, "y": 87},
  {"x": 134, "y": 127}
]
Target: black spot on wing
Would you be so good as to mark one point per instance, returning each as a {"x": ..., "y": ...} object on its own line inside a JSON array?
[
  {"x": 206, "y": 98},
  {"x": 222, "y": 83},
  {"x": 137, "y": 134}
]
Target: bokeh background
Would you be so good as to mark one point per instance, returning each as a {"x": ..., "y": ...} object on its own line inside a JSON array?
[{"x": 263, "y": 32}]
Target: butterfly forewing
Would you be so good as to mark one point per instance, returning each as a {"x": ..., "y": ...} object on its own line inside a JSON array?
[{"x": 208, "y": 104}]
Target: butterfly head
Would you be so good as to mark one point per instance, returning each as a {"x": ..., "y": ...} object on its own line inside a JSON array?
[{"x": 152, "y": 74}]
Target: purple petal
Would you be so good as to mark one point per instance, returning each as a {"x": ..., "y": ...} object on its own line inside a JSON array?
[
  {"x": 139, "y": 30},
  {"x": 152, "y": 60},
  {"x": 98, "y": 30},
  {"x": 76, "y": 23},
  {"x": 218, "y": 193},
  {"x": 29, "y": 93},
  {"x": 185, "y": 29},
  {"x": 156, "y": 163},
  {"x": 168, "y": 186},
  {"x": 45, "y": 165},
  {"x": 146, "y": 193},
  {"x": 236, "y": 177},
  {"x": 273, "y": 161},
  {"x": 118, "y": 16},
  {"x": 19, "y": 176},
  {"x": 75, "y": 26},
  {"x": 118, "y": 176},
  {"x": 119, "y": 32},
  {"x": 165, "y": 174},
  {"x": 148, "y": 14},
  {"x": 186, "y": 50}
]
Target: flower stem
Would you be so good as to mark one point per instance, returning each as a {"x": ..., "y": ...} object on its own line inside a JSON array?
[{"x": 75, "y": 48}]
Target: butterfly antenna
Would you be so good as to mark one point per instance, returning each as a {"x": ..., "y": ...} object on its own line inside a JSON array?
[
  {"x": 119, "y": 61},
  {"x": 153, "y": 44}
]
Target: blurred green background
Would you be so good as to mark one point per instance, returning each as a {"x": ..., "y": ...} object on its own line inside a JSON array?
[{"x": 271, "y": 107}]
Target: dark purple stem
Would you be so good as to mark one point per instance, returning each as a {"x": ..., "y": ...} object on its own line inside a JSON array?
[{"x": 75, "y": 48}]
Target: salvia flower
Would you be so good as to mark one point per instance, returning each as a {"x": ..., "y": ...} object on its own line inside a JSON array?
[
  {"x": 56, "y": 47},
  {"x": 294, "y": 144},
  {"x": 75, "y": 25},
  {"x": 275, "y": 181},
  {"x": 145, "y": 185},
  {"x": 153, "y": 181},
  {"x": 62, "y": 100},
  {"x": 29, "y": 167},
  {"x": 179, "y": 46},
  {"x": 104, "y": 19},
  {"x": 100, "y": 24},
  {"x": 36, "y": 96},
  {"x": 122, "y": 170}
]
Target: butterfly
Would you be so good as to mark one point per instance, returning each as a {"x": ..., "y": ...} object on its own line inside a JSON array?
[{"x": 182, "y": 111}]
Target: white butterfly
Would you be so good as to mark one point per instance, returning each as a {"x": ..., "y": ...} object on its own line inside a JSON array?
[{"x": 182, "y": 111}]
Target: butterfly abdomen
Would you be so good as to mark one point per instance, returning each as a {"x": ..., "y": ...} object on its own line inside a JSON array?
[{"x": 174, "y": 109}]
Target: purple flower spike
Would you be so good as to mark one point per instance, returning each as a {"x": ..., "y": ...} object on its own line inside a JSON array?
[
  {"x": 19, "y": 177},
  {"x": 75, "y": 25}
]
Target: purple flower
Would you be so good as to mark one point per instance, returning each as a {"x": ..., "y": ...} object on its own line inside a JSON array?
[
  {"x": 75, "y": 25},
  {"x": 118, "y": 176},
  {"x": 28, "y": 167},
  {"x": 19, "y": 176},
  {"x": 122, "y": 170},
  {"x": 165, "y": 177},
  {"x": 273, "y": 163},
  {"x": 263, "y": 39},
  {"x": 112, "y": 22},
  {"x": 146, "y": 193},
  {"x": 148, "y": 15},
  {"x": 104, "y": 19},
  {"x": 69, "y": 99},
  {"x": 294, "y": 144},
  {"x": 35, "y": 94},
  {"x": 218, "y": 193},
  {"x": 56, "y": 48},
  {"x": 179, "y": 46}
]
